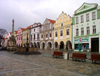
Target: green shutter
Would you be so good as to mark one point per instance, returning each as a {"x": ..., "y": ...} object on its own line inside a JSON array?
[
  {"x": 98, "y": 14},
  {"x": 73, "y": 20}
]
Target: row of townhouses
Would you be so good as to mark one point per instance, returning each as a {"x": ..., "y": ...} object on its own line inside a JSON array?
[{"x": 79, "y": 32}]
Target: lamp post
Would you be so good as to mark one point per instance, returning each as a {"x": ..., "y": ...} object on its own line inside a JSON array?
[{"x": 27, "y": 48}]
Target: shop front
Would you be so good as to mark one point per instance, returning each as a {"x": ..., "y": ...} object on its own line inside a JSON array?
[{"x": 81, "y": 44}]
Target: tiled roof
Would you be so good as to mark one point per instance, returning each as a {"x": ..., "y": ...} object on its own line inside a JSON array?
[
  {"x": 41, "y": 25},
  {"x": 23, "y": 28},
  {"x": 11, "y": 33},
  {"x": 29, "y": 27},
  {"x": 16, "y": 32},
  {"x": 52, "y": 21}
]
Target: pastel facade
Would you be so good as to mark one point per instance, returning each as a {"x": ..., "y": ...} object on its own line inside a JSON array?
[
  {"x": 86, "y": 28},
  {"x": 26, "y": 33},
  {"x": 19, "y": 37},
  {"x": 63, "y": 32},
  {"x": 47, "y": 34},
  {"x": 35, "y": 31}
]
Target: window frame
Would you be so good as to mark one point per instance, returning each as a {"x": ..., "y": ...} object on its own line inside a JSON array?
[
  {"x": 87, "y": 30},
  {"x": 61, "y": 32},
  {"x": 77, "y": 20},
  {"x": 94, "y": 29},
  {"x": 77, "y": 32},
  {"x": 82, "y": 18},
  {"x": 87, "y": 17},
  {"x": 82, "y": 31},
  {"x": 93, "y": 15}
]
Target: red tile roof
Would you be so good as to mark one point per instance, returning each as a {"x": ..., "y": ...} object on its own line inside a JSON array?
[
  {"x": 15, "y": 32},
  {"x": 29, "y": 27},
  {"x": 11, "y": 33},
  {"x": 52, "y": 21},
  {"x": 23, "y": 28}
]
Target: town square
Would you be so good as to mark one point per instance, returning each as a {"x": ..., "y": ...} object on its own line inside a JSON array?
[{"x": 39, "y": 41}]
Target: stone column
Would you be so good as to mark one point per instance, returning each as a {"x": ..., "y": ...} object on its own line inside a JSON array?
[
  {"x": 64, "y": 47},
  {"x": 99, "y": 42},
  {"x": 13, "y": 27}
]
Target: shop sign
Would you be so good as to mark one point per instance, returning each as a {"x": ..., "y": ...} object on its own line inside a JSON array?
[{"x": 81, "y": 40}]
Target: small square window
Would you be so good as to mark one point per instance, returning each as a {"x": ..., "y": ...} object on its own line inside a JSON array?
[{"x": 61, "y": 24}]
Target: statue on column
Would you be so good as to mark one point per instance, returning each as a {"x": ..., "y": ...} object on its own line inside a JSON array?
[{"x": 12, "y": 42}]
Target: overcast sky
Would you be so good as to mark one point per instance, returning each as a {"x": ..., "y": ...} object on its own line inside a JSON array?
[{"x": 27, "y": 12}]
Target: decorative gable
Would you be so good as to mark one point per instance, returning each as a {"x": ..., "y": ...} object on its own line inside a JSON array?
[
  {"x": 46, "y": 21},
  {"x": 86, "y": 7},
  {"x": 63, "y": 17}
]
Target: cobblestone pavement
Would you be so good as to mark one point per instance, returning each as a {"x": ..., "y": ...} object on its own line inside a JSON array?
[{"x": 44, "y": 65}]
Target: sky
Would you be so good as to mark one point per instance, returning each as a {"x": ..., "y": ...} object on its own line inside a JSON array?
[{"x": 27, "y": 12}]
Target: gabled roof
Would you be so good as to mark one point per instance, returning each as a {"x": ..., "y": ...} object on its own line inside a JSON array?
[
  {"x": 86, "y": 7},
  {"x": 52, "y": 21}
]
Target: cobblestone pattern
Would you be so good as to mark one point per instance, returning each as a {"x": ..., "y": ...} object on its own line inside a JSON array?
[{"x": 44, "y": 65}]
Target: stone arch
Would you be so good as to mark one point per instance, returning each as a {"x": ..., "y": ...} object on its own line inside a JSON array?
[
  {"x": 38, "y": 44},
  {"x": 43, "y": 45},
  {"x": 61, "y": 45},
  {"x": 56, "y": 45},
  {"x": 35, "y": 44},
  {"x": 49, "y": 45},
  {"x": 68, "y": 45}
]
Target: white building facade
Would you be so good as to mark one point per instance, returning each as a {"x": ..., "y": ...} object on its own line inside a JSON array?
[
  {"x": 47, "y": 34},
  {"x": 86, "y": 28},
  {"x": 34, "y": 37}
]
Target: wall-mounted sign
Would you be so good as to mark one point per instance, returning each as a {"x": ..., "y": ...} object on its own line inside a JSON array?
[{"x": 81, "y": 39}]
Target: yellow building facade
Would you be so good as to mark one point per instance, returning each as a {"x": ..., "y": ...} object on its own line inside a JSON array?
[
  {"x": 24, "y": 36},
  {"x": 63, "y": 32}
]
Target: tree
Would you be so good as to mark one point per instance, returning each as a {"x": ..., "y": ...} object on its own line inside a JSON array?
[{"x": 3, "y": 32}]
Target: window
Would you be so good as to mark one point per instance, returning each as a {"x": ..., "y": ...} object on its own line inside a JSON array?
[
  {"x": 67, "y": 32},
  {"x": 56, "y": 34},
  {"x": 88, "y": 30},
  {"x": 61, "y": 24},
  {"x": 37, "y": 36},
  {"x": 31, "y": 37},
  {"x": 94, "y": 29},
  {"x": 87, "y": 17},
  {"x": 77, "y": 32},
  {"x": 61, "y": 32},
  {"x": 50, "y": 35},
  {"x": 82, "y": 18},
  {"x": 34, "y": 30},
  {"x": 76, "y": 20},
  {"x": 46, "y": 35},
  {"x": 34, "y": 36},
  {"x": 41, "y": 36},
  {"x": 85, "y": 46},
  {"x": 82, "y": 31},
  {"x": 93, "y": 16}
]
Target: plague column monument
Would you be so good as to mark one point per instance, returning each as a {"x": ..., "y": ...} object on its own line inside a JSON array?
[{"x": 11, "y": 44}]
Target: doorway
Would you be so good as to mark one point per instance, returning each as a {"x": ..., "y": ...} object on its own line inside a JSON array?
[{"x": 94, "y": 44}]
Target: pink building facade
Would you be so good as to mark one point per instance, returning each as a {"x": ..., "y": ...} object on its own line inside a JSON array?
[{"x": 19, "y": 37}]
